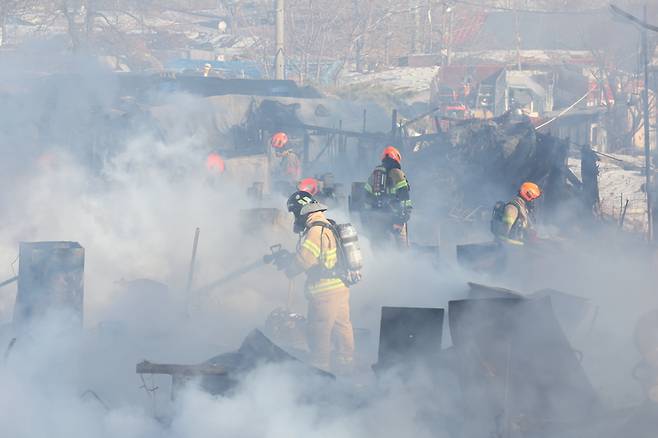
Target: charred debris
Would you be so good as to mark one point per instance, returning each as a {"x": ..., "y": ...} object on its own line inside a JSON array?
[
  {"x": 510, "y": 356},
  {"x": 491, "y": 155},
  {"x": 510, "y": 352},
  {"x": 479, "y": 161}
]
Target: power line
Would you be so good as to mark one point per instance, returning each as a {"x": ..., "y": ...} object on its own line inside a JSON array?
[
  {"x": 633, "y": 19},
  {"x": 564, "y": 111}
]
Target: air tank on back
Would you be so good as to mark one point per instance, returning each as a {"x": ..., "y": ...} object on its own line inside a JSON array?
[{"x": 350, "y": 240}]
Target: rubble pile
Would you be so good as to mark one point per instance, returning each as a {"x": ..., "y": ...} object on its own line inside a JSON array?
[
  {"x": 478, "y": 162},
  {"x": 422, "y": 249}
]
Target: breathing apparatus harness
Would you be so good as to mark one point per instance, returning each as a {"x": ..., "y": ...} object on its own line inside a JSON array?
[{"x": 348, "y": 264}]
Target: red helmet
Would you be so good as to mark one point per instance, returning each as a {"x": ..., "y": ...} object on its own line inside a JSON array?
[
  {"x": 279, "y": 140},
  {"x": 529, "y": 191},
  {"x": 392, "y": 153},
  {"x": 309, "y": 185},
  {"x": 215, "y": 163}
]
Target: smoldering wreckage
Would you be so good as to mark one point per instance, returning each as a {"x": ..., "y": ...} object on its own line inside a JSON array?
[{"x": 509, "y": 353}]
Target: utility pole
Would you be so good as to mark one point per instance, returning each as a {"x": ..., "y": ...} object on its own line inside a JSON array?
[
  {"x": 451, "y": 17},
  {"x": 358, "y": 43},
  {"x": 647, "y": 133},
  {"x": 654, "y": 76},
  {"x": 430, "y": 31},
  {"x": 414, "y": 29},
  {"x": 279, "y": 58},
  {"x": 416, "y": 32},
  {"x": 645, "y": 107},
  {"x": 518, "y": 38}
]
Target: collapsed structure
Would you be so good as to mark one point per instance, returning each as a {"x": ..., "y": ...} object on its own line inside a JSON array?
[
  {"x": 509, "y": 352},
  {"x": 478, "y": 162}
]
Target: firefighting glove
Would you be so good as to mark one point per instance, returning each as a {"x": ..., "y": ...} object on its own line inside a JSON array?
[
  {"x": 294, "y": 268},
  {"x": 283, "y": 259}
]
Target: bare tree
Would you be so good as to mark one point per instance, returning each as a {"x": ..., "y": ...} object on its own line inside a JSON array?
[
  {"x": 11, "y": 8},
  {"x": 619, "y": 84}
]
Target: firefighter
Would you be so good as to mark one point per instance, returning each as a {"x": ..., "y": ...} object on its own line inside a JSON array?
[
  {"x": 215, "y": 167},
  {"x": 207, "y": 69},
  {"x": 309, "y": 185},
  {"x": 513, "y": 222},
  {"x": 387, "y": 200},
  {"x": 290, "y": 167},
  {"x": 323, "y": 189},
  {"x": 215, "y": 163},
  {"x": 327, "y": 293}
]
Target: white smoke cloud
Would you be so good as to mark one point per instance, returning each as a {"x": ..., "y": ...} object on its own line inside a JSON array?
[{"x": 136, "y": 215}]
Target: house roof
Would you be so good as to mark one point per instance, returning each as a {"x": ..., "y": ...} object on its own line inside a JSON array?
[
  {"x": 525, "y": 79},
  {"x": 453, "y": 76},
  {"x": 576, "y": 113},
  {"x": 528, "y": 57}
]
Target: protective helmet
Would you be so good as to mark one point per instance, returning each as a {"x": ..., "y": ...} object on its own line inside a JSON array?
[
  {"x": 312, "y": 207},
  {"x": 529, "y": 191},
  {"x": 279, "y": 140},
  {"x": 302, "y": 203},
  {"x": 309, "y": 185},
  {"x": 392, "y": 153},
  {"x": 215, "y": 163}
]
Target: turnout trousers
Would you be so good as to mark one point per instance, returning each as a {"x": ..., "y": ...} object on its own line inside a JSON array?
[{"x": 328, "y": 321}]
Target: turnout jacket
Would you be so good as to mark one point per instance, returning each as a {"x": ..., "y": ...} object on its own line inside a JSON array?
[
  {"x": 317, "y": 256},
  {"x": 395, "y": 195},
  {"x": 518, "y": 221}
]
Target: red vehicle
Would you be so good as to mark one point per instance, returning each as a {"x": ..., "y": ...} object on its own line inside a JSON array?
[{"x": 456, "y": 110}]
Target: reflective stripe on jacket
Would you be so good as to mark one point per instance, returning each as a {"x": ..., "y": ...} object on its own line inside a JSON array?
[
  {"x": 517, "y": 220},
  {"x": 397, "y": 189},
  {"x": 317, "y": 254}
]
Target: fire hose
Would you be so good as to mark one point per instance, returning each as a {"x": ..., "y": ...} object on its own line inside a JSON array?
[{"x": 277, "y": 253}]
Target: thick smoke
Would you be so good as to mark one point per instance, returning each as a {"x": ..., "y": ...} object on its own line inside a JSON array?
[{"x": 135, "y": 212}]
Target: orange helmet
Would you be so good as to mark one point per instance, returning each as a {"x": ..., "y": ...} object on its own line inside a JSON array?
[
  {"x": 392, "y": 153},
  {"x": 279, "y": 140},
  {"x": 308, "y": 185},
  {"x": 215, "y": 163},
  {"x": 529, "y": 191}
]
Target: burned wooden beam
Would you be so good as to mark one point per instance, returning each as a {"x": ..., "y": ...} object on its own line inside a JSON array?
[
  {"x": 321, "y": 130},
  {"x": 573, "y": 179},
  {"x": 221, "y": 373},
  {"x": 420, "y": 117},
  {"x": 205, "y": 369},
  {"x": 9, "y": 281}
]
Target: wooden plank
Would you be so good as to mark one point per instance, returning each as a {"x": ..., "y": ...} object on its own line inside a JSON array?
[{"x": 147, "y": 367}]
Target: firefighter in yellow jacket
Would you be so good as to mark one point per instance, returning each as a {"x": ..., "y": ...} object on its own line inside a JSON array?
[
  {"x": 327, "y": 294},
  {"x": 388, "y": 204}
]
